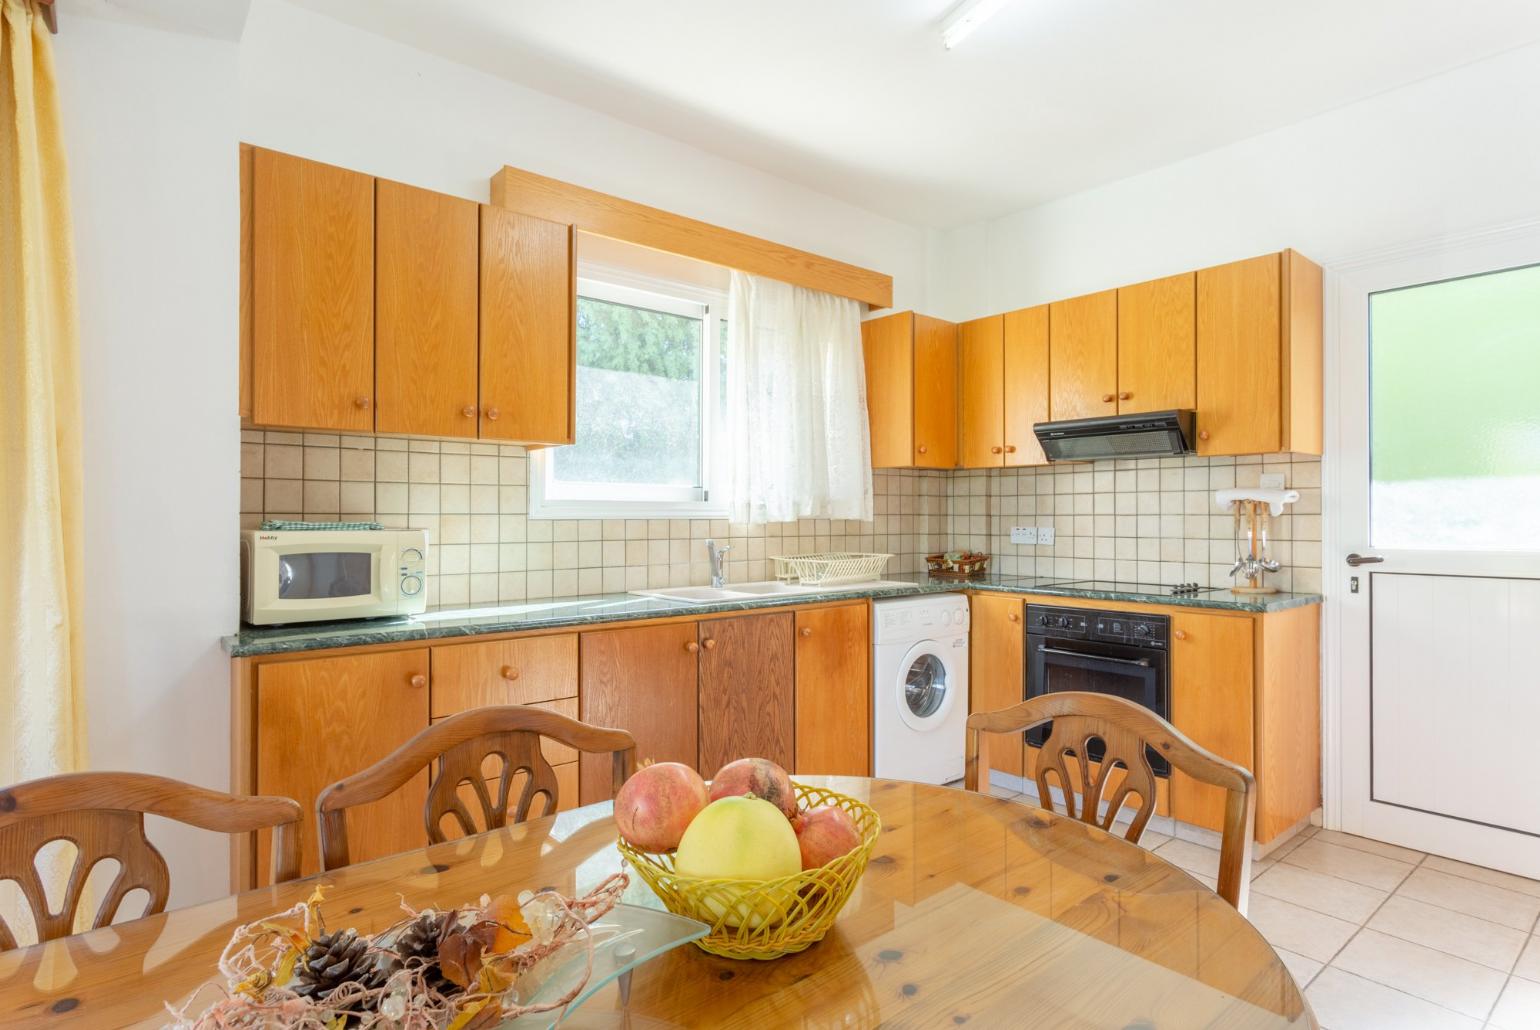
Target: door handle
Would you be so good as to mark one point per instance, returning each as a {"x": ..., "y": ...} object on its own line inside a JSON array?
[
  {"x": 1141, "y": 662},
  {"x": 1355, "y": 559}
]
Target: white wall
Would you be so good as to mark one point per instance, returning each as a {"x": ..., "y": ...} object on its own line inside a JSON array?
[
  {"x": 149, "y": 121},
  {"x": 1451, "y": 153}
]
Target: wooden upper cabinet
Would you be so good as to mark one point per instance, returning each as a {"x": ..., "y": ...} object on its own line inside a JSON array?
[
  {"x": 321, "y": 719},
  {"x": 1157, "y": 345},
  {"x": 911, "y": 390},
  {"x": 1026, "y": 383},
  {"x": 1259, "y": 356},
  {"x": 425, "y": 312},
  {"x": 312, "y": 294},
  {"x": 834, "y": 691},
  {"x": 1212, "y": 692},
  {"x": 746, "y": 691},
  {"x": 981, "y": 372},
  {"x": 997, "y": 645},
  {"x": 528, "y": 348},
  {"x": 1083, "y": 356},
  {"x": 641, "y": 679}
]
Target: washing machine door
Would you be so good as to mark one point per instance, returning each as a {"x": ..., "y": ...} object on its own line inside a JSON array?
[{"x": 926, "y": 687}]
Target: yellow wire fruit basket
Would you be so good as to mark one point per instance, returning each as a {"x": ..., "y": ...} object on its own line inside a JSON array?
[{"x": 765, "y": 919}]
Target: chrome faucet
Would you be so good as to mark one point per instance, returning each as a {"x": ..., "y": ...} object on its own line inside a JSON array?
[{"x": 718, "y": 563}]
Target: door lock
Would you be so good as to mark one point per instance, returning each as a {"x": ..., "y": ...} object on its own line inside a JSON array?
[{"x": 1353, "y": 585}]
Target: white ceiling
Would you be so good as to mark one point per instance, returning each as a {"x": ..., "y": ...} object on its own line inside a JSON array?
[{"x": 857, "y": 98}]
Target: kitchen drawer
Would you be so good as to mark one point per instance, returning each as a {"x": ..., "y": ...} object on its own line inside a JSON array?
[{"x": 521, "y": 671}]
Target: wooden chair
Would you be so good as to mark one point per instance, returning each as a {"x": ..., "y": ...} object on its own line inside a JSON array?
[
  {"x": 457, "y": 749},
  {"x": 1125, "y": 730},
  {"x": 102, "y": 814}
]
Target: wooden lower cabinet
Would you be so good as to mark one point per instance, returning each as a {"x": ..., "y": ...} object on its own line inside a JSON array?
[
  {"x": 834, "y": 691},
  {"x": 520, "y": 671},
  {"x": 746, "y": 691},
  {"x": 996, "y": 674},
  {"x": 321, "y": 719},
  {"x": 641, "y": 679},
  {"x": 1212, "y": 694}
]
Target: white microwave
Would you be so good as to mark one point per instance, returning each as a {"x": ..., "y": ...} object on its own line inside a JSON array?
[{"x": 308, "y": 575}]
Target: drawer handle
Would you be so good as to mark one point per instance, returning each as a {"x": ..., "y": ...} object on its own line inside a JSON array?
[
  {"x": 510, "y": 673},
  {"x": 806, "y": 631},
  {"x": 1180, "y": 634},
  {"x": 692, "y": 647},
  {"x": 708, "y": 643},
  {"x": 418, "y": 680}
]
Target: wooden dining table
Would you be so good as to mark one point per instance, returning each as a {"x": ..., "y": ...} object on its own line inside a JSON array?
[{"x": 974, "y": 910}]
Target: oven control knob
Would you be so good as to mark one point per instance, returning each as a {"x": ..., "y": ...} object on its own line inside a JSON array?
[
  {"x": 411, "y": 554},
  {"x": 1141, "y": 630},
  {"x": 411, "y": 586},
  {"x": 1042, "y": 620}
]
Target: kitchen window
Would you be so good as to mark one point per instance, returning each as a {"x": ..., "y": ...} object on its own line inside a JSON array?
[{"x": 651, "y": 381}]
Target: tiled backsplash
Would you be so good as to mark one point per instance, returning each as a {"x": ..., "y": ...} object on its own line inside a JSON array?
[
  {"x": 473, "y": 500},
  {"x": 1149, "y": 520}
]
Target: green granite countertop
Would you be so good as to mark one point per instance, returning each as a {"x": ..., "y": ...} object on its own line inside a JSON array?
[{"x": 559, "y": 612}]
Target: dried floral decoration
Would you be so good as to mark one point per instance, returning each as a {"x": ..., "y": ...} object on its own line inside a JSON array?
[{"x": 455, "y": 970}]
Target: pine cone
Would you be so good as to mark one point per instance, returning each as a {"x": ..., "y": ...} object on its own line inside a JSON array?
[
  {"x": 334, "y": 959},
  {"x": 417, "y": 945}
]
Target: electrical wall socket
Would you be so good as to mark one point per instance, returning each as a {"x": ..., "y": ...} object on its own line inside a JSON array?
[
  {"x": 1023, "y": 534},
  {"x": 1271, "y": 481},
  {"x": 1045, "y": 534}
]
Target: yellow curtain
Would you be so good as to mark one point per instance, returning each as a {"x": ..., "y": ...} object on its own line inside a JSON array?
[{"x": 41, "y": 708}]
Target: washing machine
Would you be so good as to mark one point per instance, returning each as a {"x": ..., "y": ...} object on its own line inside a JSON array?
[{"x": 920, "y": 687}]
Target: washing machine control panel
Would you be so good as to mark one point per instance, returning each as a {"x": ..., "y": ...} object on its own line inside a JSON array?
[{"x": 923, "y": 620}]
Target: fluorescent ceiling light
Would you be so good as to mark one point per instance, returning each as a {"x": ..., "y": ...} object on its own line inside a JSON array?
[{"x": 966, "y": 17}]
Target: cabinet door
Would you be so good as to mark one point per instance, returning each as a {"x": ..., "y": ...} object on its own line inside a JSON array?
[
  {"x": 424, "y": 312},
  {"x": 1239, "y": 356},
  {"x": 522, "y": 671},
  {"x": 746, "y": 688},
  {"x": 1157, "y": 345},
  {"x": 528, "y": 350},
  {"x": 997, "y": 675},
  {"x": 312, "y": 295},
  {"x": 1026, "y": 384},
  {"x": 322, "y": 719},
  {"x": 834, "y": 691},
  {"x": 641, "y": 680},
  {"x": 935, "y": 393},
  {"x": 888, "y": 346},
  {"x": 1083, "y": 356},
  {"x": 1211, "y": 702},
  {"x": 981, "y": 371}
]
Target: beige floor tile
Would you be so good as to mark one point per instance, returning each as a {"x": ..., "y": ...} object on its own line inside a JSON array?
[
  {"x": 1454, "y": 983},
  {"x": 1301, "y": 968},
  {"x": 1301, "y": 930},
  {"x": 1003, "y": 792},
  {"x": 1522, "y": 884},
  {"x": 1358, "y": 866},
  {"x": 1529, "y": 962},
  {"x": 1329, "y": 894},
  {"x": 1456, "y": 933},
  {"x": 1474, "y": 899},
  {"x": 1343, "y": 1001},
  {"x": 1373, "y": 847},
  {"x": 1195, "y": 858},
  {"x": 1519, "y": 1006}
]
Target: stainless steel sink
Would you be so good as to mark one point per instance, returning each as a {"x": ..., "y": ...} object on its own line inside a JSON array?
[
  {"x": 770, "y": 587},
  {"x": 697, "y": 595},
  {"x": 758, "y": 589}
]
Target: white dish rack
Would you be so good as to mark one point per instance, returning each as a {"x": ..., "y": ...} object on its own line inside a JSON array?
[{"x": 832, "y": 568}]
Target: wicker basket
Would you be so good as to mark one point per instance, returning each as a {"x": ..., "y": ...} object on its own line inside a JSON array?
[
  {"x": 765, "y": 919},
  {"x": 833, "y": 568},
  {"x": 970, "y": 565}
]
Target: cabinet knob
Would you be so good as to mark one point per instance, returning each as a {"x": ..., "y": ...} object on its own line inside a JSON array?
[
  {"x": 1180, "y": 634},
  {"x": 492, "y": 414},
  {"x": 510, "y": 673},
  {"x": 692, "y": 647},
  {"x": 920, "y": 449},
  {"x": 418, "y": 680},
  {"x": 1010, "y": 448},
  {"x": 469, "y": 411},
  {"x": 996, "y": 450},
  {"x": 362, "y": 403},
  {"x": 1203, "y": 434},
  {"x": 1124, "y": 396},
  {"x": 806, "y": 631},
  {"x": 1109, "y": 398},
  {"x": 708, "y": 643},
  {"x": 1013, "y": 616}
]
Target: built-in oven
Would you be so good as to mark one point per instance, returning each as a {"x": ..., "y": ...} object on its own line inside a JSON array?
[{"x": 1123, "y": 654}]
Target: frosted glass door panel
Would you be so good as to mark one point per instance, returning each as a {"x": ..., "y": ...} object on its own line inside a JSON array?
[
  {"x": 1455, "y": 704},
  {"x": 1455, "y": 414}
]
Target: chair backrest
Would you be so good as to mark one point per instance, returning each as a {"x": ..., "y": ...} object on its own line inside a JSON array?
[
  {"x": 1125, "y": 731},
  {"x": 458, "y": 749},
  {"x": 102, "y": 815}
]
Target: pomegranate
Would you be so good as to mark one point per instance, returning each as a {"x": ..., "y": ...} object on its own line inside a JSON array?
[
  {"x": 824, "y": 834},
  {"x": 760, "y": 777},
  {"x": 656, "y": 804}
]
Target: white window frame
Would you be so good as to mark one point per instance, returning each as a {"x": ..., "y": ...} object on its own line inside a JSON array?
[{"x": 634, "y": 500}]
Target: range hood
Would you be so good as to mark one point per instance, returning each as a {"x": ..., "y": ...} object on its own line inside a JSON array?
[{"x": 1145, "y": 435}]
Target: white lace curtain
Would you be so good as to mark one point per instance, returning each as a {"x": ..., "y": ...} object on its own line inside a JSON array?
[{"x": 796, "y": 388}]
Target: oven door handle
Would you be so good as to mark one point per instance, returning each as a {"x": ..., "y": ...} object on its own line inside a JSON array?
[{"x": 1141, "y": 662}]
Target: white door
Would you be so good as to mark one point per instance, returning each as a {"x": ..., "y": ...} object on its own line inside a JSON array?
[{"x": 1435, "y": 573}]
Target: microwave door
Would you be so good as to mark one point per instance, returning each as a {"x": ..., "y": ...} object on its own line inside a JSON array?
[{"x": 316, "y": 581}]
